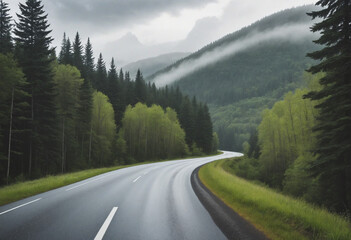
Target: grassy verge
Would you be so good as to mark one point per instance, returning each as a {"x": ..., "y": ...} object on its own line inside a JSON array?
[
  {"x": 278, "y": 216},
  {"x": 25, "y": 189}
]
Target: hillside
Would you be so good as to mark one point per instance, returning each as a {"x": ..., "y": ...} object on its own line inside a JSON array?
[
  {"x": 150, "y": 66},
  {"x": 246, "y": 71}
]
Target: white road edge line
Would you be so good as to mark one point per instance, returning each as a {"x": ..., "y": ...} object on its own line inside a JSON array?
[
  {"x": 69, "y": 189},
  {"x": 20, "y": 206},
  {"x": 136, "y": 179},
  {"x": 104, "y": 226}
]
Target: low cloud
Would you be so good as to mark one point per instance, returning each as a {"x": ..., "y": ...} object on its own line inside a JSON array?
[
  {"x": 292, "y": 33},
  {"x": 111, "y": 12}
]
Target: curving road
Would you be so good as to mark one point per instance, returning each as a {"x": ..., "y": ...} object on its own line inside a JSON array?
[{"x": 153, "y": 201}]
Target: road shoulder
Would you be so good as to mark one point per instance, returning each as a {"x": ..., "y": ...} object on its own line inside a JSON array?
[{"x": 229, "y": 222}]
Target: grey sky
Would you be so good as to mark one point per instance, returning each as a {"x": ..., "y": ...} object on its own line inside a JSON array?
[{"x": 155, "y": 21}]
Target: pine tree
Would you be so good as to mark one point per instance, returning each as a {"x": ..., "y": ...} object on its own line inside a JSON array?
[
  {"x": 140, "y": 88},
  {"x": 67, "y": 54},
  {"x": 333, "y": 164},
  {"x": 121, "y": 75},
  {"x": 84, "y": 114},
  {"x": 129, "y": 90},
  {"x": 186, "y": 120},
  {"x": 114, "y": 91},
  {"x": 77, "y": 55},
  {"x": 63, "y": 49},
  {"x": 33, "y": 40},
  {"x": 101, "y": 75},
  {"x": 89, "y": 66},
  {"x": 5, "y": 28}
]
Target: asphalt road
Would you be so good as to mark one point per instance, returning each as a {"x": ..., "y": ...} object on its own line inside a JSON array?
[{"x": 153, "y": 201}]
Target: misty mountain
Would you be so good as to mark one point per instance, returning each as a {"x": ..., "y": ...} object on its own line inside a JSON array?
[
  {"x": 246, "y": 71},
  {"x": 150, "y": 66},
  {"x": 129, "y": 49}
]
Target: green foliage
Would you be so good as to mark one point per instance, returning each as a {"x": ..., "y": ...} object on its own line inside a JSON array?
[
  {"x": 333, "y": 127},
  {"x": 152, "y": 133},
  {"x": 103, "y": 130},
  {"x": 12, "y": 92},
  {"x": 83, "y": 123},
  {"x": 245, "y": 167},
  {"x": 68, "y": 83},
  {"x": 215, "y": 142},
  {"x": 285, "y": 133}
]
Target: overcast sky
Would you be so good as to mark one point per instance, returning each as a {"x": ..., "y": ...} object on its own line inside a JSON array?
[{"x": 153, "y": 21}]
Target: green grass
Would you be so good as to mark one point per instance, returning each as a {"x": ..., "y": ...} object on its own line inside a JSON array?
[
  {"x": 278, "y": 216},
  {"x": 18, "y": 191}
]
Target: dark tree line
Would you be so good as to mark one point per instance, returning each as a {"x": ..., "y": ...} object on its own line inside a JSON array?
[
  {"x": 333, "y": 128},
  {"x": 122, "y": 91},
  {"x": 47, "y": 107}
]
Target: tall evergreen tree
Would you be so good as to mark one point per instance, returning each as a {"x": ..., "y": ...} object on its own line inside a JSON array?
[
  {"x": 89, "y": 66},
  {"x": 333, "y": 164},
  {"x": 114, "y": 91},
  {"x": 67, "y": 54},
  {"x": 84, "y": 114},
  {"x": 77, "y": 55},
  {"x": 140, "y": 88},
  {"x": 5, "y": 28},
  {"x": 101, "y": 75},
  {"x": 187, "y": 121},
  {"x": 33, "y": 40},
  {"x": 63, "y": 48},
  {"x": 121, "y": 75}
]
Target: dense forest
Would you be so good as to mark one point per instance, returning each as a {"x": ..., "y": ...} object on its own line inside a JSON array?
[
  {"x": 60, "y": 114},
  {"x": 239, "y": 87},
  {"x": 302, "y": 145}
]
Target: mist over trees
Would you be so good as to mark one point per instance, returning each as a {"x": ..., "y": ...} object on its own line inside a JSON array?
[
  {"x": 68, "y": 113},
  {"x": 237, "y": 88},
  {"x": 302, "y": 146}
]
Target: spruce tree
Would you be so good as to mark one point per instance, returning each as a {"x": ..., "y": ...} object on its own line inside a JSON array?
[
  {"x": 89, "y": 66},
  {"x": 101, "y": 75},
  {"x": 129, "y": 90},
  {"x": 333, "y": 164},
  {"x": 84, "y": 114},
  {"x": 67, "y": 54},
  {"x": 77, "y": 55},
  {"x": 186, "y": 120},
  {"x": 32, "y": 41},
  {"x": 5, "y": 28},
  {"x": 63, "y": 48},
  {"x": 140, "y": 88},
  {"x": 121, "y": 75},
  {"x": 114, "y": 92}
]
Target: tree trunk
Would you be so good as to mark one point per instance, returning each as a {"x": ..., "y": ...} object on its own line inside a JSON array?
[
  {"x": 63, "y": 144},
  {"x": 10, "y": 136},
  {"x": 90, "y": 140},
  {"x": 31, "y": 139}
]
